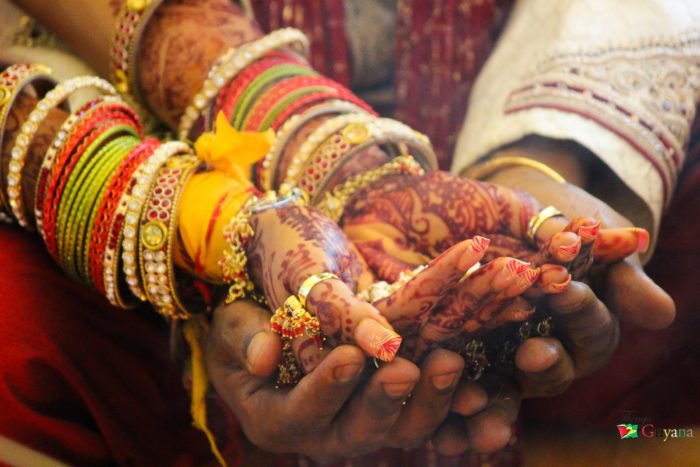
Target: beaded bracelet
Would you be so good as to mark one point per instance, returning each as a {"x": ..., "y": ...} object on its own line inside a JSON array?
[
  {"x": 19, "y": 152},
  {"x": 333, "y": 202},
  {"x": 131, "y": 23},
  {"x": 315, "y": 139},
  {"x": 157, "y": 235},
  {"x": 12, "y": 80},
  {"x": 353, "y": 138},
  {"x": 267, "y": 168},
  {"x": 62, "y": 136},
  {"x": 233, "y": 62},
  {"x": 110, "y": 217},
  {"x": 144, "y": 179}
]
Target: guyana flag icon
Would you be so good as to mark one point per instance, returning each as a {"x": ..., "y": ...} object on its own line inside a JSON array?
[{"x": 627, "y": 431}]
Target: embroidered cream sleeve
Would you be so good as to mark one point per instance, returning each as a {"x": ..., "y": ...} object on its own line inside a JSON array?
[{"x": 621, "y": 78}]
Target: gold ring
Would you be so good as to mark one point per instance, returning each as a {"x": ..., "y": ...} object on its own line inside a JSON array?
[
  {"x": 538, "y": 219},
  {"x": 310, "y": 283}
]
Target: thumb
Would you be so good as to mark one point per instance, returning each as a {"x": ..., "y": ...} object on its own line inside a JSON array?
[{"x": 240, "y": 336}]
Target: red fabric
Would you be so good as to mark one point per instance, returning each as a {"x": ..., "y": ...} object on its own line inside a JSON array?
[{"x": 83, "y": 381}]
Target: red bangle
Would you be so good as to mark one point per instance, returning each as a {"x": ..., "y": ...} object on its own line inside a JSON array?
[
  {"x": 106, "y": 216},
  {"x": 311, "y": 99}
]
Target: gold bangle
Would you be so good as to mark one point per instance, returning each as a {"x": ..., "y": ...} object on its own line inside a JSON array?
[
  {"x": 481, "y": 170},
  {"x": 310, "y": 283},
  {"x": 538, "y": 219}
]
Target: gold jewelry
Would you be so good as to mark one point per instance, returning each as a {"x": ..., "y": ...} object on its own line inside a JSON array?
[
  {"x": 333, "y": 202},
  {"x": 482, "y": 170},
  {"x": 144, "y": 179},
  {"x": 12, "y": 81},
  {"x": 232, "y": 62},
  {"x": 234, "y": 262},
  {"x": 271, "y": 160},
  {"x": 340, "y": 147},
  {"x": 538, "y": 219},
  {"x": 310, "y": 283},
  {"x": 36, "y": 117},
  {"x": 130, "y": 25},
  {"x": 314, "y": 141}
]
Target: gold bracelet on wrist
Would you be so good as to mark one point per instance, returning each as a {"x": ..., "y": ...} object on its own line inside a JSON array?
[{"x": 482, "y": 170}]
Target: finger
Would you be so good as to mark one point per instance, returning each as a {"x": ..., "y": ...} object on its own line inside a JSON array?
[
  {"x": 451, "y": 438},
  {"x": 371, "y": 413},
  {"x": 504, "y": 245},
  {"x": 561, "y": 249},
  {"x": 588, "y": 330},
  {"x": 345, "y": 318},
  {"x": 511, "y": 310},
  {"x": 587, "y": 228},
  {"x": 635, "y": 298},
  {"x": 545, "y": 368},
  {"x": 616, "y": 244},
  {"x": 490, "y": 430},
  {"x": 240, "y": 335},
  {"x": 492, "y": 282},
  {"x": 430, "y": 401},
  {"x": 553, "y": 279},
  {"x": 469, "y": 398},
  {"x": 409, "y": 306}
]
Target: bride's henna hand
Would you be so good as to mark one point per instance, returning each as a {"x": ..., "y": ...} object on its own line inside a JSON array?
[
  {"x": 474, "y": 302},
  {"x": 292, "y": 243}
]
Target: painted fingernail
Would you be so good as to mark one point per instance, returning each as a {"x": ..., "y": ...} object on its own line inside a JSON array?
[
  {"x": 515, "y": 266},
  {"x": 642, "y": 239},
  {"x": 441, "y": 382},
  {"x": 474, "y": 253},
  {"x": 569, "y": 252},
  {"x": 383, "y": 343},
  {"x": 397, "y": 389},
  {"x": 528, "y": 277},
  {"x": 346, "y": 373},
  {"x": 558, "y": 287},
  {"x": 588, "y": 233},
  {"x": 256, "y": 347}
]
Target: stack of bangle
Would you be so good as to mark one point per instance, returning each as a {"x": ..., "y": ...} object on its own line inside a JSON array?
[
  {"x": 12, "y": 80},
  {"x": 348, "y": 140},
  {"x": 233, "y": 62},
  {"x": 267, "y": 168}
]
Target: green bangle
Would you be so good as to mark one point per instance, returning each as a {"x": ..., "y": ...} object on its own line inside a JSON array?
[
  {"x": 260, "y": 82},
  {"x": 71, "y": 205},
  {"x": 80, "y": 203},
  {"x": 279, "y": 107},
  {"x": 85, "y": 202},
  {"x": 63, "y": 223},
  {"x": 128, "y": 143}
]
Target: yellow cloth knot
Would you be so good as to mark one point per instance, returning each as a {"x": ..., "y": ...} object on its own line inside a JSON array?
[{"x": 231, "y": 151}]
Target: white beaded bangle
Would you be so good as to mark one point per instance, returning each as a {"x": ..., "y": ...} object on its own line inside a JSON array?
[
  {"x": 147, "y": 173},
  {"x": 19, "y": 151},
  {"x": 232, "y": 62}
]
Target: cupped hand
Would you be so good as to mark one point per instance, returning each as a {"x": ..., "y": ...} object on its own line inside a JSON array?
[{"x": 339, "y": 410}]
